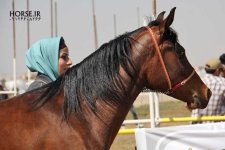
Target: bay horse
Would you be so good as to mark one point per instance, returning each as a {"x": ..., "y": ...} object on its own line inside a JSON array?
[{"x": 84, "y": 108}]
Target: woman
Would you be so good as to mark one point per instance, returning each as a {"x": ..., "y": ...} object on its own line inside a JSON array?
[{"x": 50, "y": 58}]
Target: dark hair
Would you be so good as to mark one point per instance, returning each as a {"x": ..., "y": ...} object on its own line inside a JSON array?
[
  {"x": 210, "y": 71},
  {"x": 62, "y": 43},
  {"x": 222, "y": 58}
]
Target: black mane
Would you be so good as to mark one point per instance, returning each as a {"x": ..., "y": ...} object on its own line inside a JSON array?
[{"x": 97, "y": 76}]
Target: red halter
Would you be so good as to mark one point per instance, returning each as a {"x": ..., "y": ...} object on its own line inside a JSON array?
[{"x": 171, "y": 89}]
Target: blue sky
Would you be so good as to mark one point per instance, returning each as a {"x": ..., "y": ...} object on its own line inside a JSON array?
[{"x": 200, "y": 25}]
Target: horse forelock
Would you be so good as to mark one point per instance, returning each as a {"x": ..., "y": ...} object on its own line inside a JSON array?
[
  {"x": 153, "y": 23},
  {"x": 97, "y": 76}
]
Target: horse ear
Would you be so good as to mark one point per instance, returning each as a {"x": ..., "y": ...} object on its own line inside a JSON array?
[
  {"x": 160, "y": 16},
  {"x": 169, "y": 19}
]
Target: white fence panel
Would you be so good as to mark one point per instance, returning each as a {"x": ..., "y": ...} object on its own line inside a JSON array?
[{"x": 190, "y": 137}]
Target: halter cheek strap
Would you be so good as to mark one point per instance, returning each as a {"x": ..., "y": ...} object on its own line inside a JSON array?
[
  {"x": 160, "y": 57},
  {"x": 171, "y": 89}
]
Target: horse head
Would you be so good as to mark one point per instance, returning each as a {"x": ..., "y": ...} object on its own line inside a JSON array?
[{"x": 167, "y": 68}]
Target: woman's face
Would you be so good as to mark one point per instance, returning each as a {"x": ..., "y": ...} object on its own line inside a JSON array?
[{"x": 64, "y": 60}]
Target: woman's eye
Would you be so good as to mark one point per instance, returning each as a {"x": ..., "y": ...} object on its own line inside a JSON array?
[{"x": 64, "y": 57}]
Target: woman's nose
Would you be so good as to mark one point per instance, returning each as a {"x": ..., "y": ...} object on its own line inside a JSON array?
[{"x": 69, "y": 62}]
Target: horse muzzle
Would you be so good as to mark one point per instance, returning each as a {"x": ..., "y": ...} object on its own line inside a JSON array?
[{"x": 199, "y": 102}]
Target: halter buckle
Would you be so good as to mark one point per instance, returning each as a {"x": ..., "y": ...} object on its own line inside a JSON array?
[{"x": 183, "y": 82}]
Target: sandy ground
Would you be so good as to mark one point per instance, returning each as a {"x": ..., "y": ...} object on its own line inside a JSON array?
[{"x": 145, "y": 97}]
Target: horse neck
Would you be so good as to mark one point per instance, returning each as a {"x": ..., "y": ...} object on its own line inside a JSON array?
[
  {"x": 103, "y": 124},
  {"x": 140, "y": 54},
  {"x": 111, "y": 115}
]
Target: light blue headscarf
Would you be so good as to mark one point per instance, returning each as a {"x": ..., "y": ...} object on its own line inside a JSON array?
[{"x": 43, "y": 57}]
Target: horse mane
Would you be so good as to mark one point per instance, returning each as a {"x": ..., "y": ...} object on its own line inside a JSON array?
[{"x": 96, "y": 77}]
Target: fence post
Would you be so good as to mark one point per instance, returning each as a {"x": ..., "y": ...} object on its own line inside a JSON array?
[{"x": 151, "y": 107}]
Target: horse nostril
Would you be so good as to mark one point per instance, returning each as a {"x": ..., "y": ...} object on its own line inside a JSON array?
[
  {"x": 209, "y": 93},
  {"x": 200, "y": 102}
]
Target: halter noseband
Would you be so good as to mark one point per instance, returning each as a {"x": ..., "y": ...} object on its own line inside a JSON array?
[{"x": 183, "y": 82}]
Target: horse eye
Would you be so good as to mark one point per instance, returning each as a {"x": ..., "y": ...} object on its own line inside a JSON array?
[
  {"x": 179, "y": 49},
  {"x": 182, "y": 53}
]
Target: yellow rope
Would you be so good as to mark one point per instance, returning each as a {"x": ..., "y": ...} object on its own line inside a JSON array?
[{"x": 178, "y": 119}]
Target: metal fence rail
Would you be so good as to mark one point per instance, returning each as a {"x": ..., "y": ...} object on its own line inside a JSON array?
[{"x": 168, "y": 120}]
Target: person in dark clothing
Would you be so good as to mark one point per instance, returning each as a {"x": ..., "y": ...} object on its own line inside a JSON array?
[
  {"x": 2, "y": 96},
  {"x": 133, "y": 112},
  {"x": 48, "y": 57}
]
